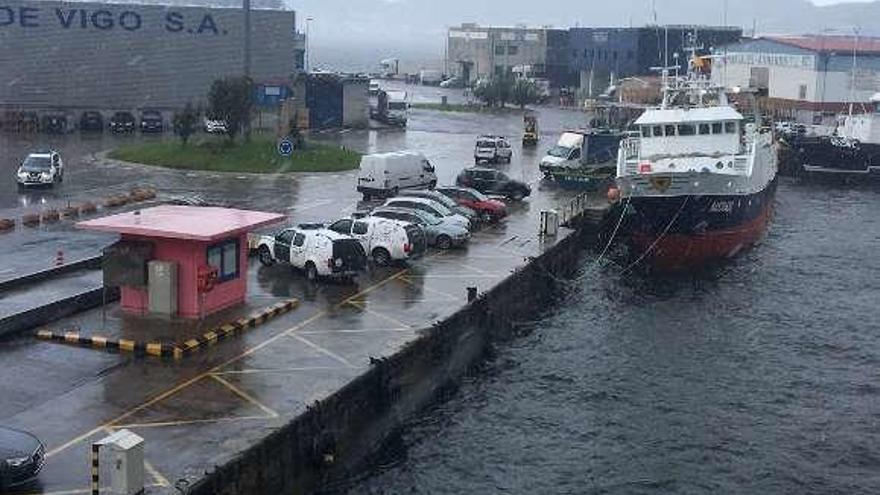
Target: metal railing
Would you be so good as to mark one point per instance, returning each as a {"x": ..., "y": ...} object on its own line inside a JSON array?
[{"x": 573, "y": 209}]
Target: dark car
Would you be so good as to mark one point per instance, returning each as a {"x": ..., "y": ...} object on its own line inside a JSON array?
[
  {"x": 21, "y": 457},
  {"x": 491, "y": 181},
  {"x": 151, "y": 121},
  {"x": 91, "y": 121},
  {"x": 54, "y": 123},
  {"x": 122, "y": 122}
]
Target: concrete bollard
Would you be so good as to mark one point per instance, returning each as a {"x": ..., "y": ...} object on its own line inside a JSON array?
[{"x": 471, "y": 294}]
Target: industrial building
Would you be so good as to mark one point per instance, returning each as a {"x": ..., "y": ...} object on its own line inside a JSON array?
[
  {"x": 475, "y": 52},
  {"x": 808, "y": 78},
  {"x": 585, "y": 58},
  {"x": 74, "y": 56}
]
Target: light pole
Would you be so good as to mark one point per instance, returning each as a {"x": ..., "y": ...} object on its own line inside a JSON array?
[
  {"x": 246, "y": 5},
  {"x": 308, "y": 43}
]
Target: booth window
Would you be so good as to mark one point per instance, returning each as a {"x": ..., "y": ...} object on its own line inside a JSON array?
[{"x": 224, "y": 257}]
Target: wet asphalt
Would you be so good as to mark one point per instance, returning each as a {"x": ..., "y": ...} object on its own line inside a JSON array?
[{"x": 200, "y": 411}]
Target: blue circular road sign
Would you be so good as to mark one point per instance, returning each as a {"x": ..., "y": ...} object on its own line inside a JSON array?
[{"x": 285, "y": 147}]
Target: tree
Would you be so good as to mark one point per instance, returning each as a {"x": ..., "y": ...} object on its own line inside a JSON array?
[
  {"x": 231, "y": 101},
  {"x": 185, "y": 122},
  {"x": 495, "y": 91},
  {"x": 524, "y": 92}
]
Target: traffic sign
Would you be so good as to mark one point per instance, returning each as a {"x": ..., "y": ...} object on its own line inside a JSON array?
[{"x": 285, "y": 147}]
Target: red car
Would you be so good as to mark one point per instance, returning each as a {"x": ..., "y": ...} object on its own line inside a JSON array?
[{"x": 488, "y": 209}]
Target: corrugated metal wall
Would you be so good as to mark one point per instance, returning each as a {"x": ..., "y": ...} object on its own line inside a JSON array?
[{"x": 118, "y": 56}]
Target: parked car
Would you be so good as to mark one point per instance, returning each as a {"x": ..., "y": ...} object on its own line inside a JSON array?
[
  {"x": 55, "y": 123},
  {"x": 122, "y": 122},
  {"x": 441, "y": 234},
  {"x": 453, "y": 82},
  {"x": 91, "y": 121},
  {"x": 489, "y": 209},
  {"x": 40, "y": 169},
  {"x": 384, "y": 240},
  {"x": 431, "y": 207},
  {"x": 385, "y": 174},
  {"x": 151, "y": 121},
  {"x": 444, "y": 200},
  {"x": 21, "y": 457},
  {"x": 492, "y": 149},
  {"x": 491, "y": 181},
  {"x": 318, "y": 251},
  {"x": 214, "y": 126}
]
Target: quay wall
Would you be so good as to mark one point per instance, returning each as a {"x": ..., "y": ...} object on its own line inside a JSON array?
[{"x": 337, "y": 435}]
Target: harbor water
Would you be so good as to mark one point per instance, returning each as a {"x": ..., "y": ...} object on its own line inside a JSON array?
[{"x": 760, "y": 377}]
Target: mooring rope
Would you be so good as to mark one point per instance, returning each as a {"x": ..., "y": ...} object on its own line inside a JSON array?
[{"x": 659, "y": 238}]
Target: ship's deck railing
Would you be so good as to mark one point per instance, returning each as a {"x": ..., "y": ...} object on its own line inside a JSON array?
[{"x": 573, "y": 208}]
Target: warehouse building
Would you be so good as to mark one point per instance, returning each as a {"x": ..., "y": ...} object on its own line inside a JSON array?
[
  {"x": 73, "y": 56},
  {"x": 808, "y": 78},
  {"x": 476, "y": 52}
]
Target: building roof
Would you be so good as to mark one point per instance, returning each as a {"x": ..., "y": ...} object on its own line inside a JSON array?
[
  {"x": 679, "y": 115},
  {"x": 824, "y": 44},
  {"x": 197, "y": 223}
]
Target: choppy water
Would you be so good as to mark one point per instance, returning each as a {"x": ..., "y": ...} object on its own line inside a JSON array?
[{"x": 762, "y": 379}]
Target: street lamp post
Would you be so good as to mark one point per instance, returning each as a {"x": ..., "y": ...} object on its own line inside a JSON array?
[
  {"x": 308, "y": 44},
  {"x": 247, "y": 37}
]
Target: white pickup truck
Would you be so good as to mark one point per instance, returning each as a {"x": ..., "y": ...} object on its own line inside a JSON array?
[
  {"x": 318, "y": 251},
  {"x": 384, "y": 240}
]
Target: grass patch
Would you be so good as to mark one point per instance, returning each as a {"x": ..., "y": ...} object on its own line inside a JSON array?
[
  {"x": 259, "y": 155},
  {"x": 464, "y": 107}
]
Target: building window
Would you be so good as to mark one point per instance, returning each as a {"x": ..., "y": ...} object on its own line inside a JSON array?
[
  {"x": 614, "y": 55},
  {"x": 225, "y": 258},
  {"x": 802, "y": 92},
  {"x": 512, "y": 50},
  {"x": 629, "y": 54},
  {"x": 574, "y": 53},
  {"x": 499, "y": 50}
]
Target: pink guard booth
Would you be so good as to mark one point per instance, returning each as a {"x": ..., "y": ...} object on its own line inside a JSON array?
[{"x": 198, "y": 240}]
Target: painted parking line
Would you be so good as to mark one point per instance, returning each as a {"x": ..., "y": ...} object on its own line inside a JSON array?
[
  {"x": 302, "y": 369},
  {"x": 244, "y": 395},
  {"x": 323, "y": 350},
  {"x": 188, "y": 383},
  {"x": 363, "y": 306}
]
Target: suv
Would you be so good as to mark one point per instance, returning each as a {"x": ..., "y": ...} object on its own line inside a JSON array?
[
  {"x": 489, "y": 209},
  {"x": 122, "y": 122},
  {"x": 444, "y": 200},
  {"x": 151, "y": 121},
  {"x": 492, "y": 149},
  {"x": 91, "y": 121},
  {"x": 443, "y": 235},
  {"x": 491, "y": 181},
  {"x": 430, "y": 207},
  {"x": 384, "y": 240},
  {"x": 318, "y": 251},
  {"x": 39, "y": 169}
]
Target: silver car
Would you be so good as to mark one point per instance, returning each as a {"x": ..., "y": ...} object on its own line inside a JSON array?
[
  {"x": 440, "y": 233},
  {"x": 444, "y": 200},
  {"x": 430, "y": 207}
]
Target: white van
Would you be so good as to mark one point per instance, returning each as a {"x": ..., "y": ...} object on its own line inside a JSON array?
[{"x": 384, "y": 174}]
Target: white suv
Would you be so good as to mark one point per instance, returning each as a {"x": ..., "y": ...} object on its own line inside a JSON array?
[
  {"x": 318, "y": 251},
  {"x": 38, "y": 169},
  {"x": 492, "y": 149},
  {"x": 384, "y": 240}
]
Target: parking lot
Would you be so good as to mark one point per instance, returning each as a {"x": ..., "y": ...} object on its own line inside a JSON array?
[{"x": 198, "y": 412}]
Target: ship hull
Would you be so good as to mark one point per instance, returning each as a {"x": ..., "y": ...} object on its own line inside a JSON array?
[
  {"x": 825, "y": 157},
  {"x": 689, "y": 232}
]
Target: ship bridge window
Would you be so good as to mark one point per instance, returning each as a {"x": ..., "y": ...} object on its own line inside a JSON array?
[
  {"x": 670, "y": 129},
  {"x": 687, "y": 130},
  {"x": 717, "y": 128},
  {"x": 658, "y": 131},
  {"x": 730, "y": 127},
  {"x": 704, "y": 129},
  {"x": 646, "y": 131}
]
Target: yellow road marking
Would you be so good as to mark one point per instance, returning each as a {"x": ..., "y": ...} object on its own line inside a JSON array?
[
  {"x": 324, "y": 351},
  {"x": 363, "y": 306},
  {"x": 157, "y": 476},
  {"x": 185, "y": 384},
  {"x": 185, "y": 422},
  {"x": 244, "y": 395},
  {"x": 280, "y": 370}
]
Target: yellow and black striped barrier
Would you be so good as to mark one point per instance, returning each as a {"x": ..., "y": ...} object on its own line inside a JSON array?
[
  {"x": 94, "y": 485},
  {"x": 173, "y": 350}
]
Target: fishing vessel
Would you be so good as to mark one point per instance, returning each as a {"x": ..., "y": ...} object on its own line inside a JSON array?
[
  {"x": 697, "y": 183},
  {"x": 852, "y": 153}
]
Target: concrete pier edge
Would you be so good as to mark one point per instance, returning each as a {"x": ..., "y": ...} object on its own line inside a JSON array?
[{"x": 337, "y": 435}]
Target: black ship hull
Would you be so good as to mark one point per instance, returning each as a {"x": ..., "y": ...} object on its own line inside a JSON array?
[{"x": 829, "y": 157}]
